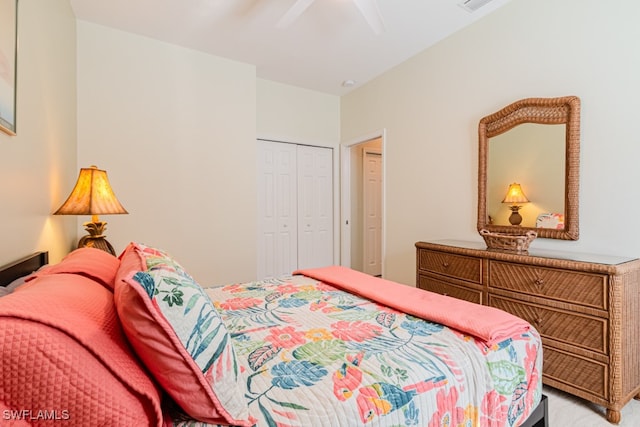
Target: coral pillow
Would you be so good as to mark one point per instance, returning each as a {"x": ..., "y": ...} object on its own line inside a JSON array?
[
  {"x": 177, "y": 333},
  {"x": 92, "y": 263}
]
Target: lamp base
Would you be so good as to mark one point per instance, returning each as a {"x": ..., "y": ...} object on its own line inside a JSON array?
[
  {"x": 98, "y": 242},
  {"x": 515, "y": 218},
  {"x": 95, "y": 238}
]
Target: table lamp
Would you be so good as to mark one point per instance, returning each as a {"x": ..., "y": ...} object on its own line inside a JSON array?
[
  {"x": 93, "y": 196},
  {"x": 514, "y": 196}
]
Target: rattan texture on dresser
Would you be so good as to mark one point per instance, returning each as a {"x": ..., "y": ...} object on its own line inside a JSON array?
[{"x": 585, "y": 307}]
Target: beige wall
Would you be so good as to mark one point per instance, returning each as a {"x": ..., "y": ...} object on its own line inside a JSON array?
[
  {"x": 38, "y": 165},
  {"x": 291, "y": 114},
  {"x": 431, "y": 104},
  {"x": 175, "y": 127},
  {"x": 176, "y": 130}
]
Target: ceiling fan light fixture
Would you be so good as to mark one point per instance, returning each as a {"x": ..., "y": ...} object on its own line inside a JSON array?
[
  {"x": 293, "y": 13},
  {"x": 473, "y": 5},
  {"x": 371, "y": 12},
  {"x": 368, "y": 8}
]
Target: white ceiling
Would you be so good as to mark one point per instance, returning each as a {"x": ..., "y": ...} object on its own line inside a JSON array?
[{"x": 329, "y": 43}]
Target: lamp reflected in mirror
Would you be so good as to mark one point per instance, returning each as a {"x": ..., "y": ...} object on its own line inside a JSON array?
[{"x": 515, "y": 197}]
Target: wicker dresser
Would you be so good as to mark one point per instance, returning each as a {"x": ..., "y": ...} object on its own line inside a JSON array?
[{"x": 586, "y": 308}]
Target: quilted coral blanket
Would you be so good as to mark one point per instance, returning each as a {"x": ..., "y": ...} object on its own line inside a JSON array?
[
  {"x": 487, "y": 323},
  {"x": 315, "y": 355},
  {"x": 65, "y": 360}
]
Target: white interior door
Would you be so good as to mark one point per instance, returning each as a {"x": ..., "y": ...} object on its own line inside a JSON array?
[
  {"x": 315, "y": 207},
  {"x": 350, "y": 188},
  {"x": 277, "y": 209},
  {"x": 372, "y": 204}
]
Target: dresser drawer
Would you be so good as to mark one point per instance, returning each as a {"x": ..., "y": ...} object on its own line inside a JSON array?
[
  {"x": 563, "y": 285},
  {"x": 444, "y": 288},
  {"x": 457, "y": 266},
  {"x": 568, "y": 327},
  {"x": 573, "y": 372}
]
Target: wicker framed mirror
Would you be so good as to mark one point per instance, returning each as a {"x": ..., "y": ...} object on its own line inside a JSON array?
[{"x": 517, "y": 145}]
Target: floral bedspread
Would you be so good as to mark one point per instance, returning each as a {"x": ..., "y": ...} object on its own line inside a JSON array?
[{"x": 314, "y": 355}]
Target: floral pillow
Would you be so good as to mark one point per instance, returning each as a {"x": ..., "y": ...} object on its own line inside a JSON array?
[
  {"x": 177, "y": 333},
  {"x": 550, "y": 220}
]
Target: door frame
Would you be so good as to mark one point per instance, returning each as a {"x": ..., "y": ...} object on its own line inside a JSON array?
[{"x": 345, "y": 195}]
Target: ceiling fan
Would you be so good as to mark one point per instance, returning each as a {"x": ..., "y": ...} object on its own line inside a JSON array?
[{"x": 368, "y": 8}]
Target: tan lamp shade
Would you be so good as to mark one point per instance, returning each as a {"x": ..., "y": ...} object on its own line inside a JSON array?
[
  {"x": 93, "y": 196},
  {"x": 515, "y": 194}
]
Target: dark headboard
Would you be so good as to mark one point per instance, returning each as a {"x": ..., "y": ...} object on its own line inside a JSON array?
[{"x": 22, "y": 267}]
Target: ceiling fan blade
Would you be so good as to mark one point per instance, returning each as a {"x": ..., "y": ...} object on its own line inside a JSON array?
[
  {"x": 293, "y": 13},
  {"x": 371, "y": 12}
]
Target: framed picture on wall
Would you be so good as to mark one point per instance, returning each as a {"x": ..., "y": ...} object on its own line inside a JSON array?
[{"x": 8, "y": 62}]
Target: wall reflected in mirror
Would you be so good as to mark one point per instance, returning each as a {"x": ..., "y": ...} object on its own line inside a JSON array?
[{"x": 532, "y": 155}]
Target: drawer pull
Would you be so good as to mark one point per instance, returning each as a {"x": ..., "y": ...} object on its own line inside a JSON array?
[
  {"x": 539, "y": 282},
  {"x": 445, "y": 264}
]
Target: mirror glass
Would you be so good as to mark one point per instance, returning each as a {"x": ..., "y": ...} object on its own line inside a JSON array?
[
  {"x": 531, "y": 155},
  {"x": 534, "y": 143}
]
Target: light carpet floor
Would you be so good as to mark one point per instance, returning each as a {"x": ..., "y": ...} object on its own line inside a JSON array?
[{"x": 568, "y": 411}]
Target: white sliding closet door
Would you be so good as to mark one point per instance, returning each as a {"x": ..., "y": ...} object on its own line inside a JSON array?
[
  {"x": 277, "y": 209},
  {"x": 295, "y": 208},
  {"x": 315, "y": 207}
]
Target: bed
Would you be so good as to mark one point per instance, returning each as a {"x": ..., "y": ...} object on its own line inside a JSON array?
[{"x": 134, "y": 340}]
